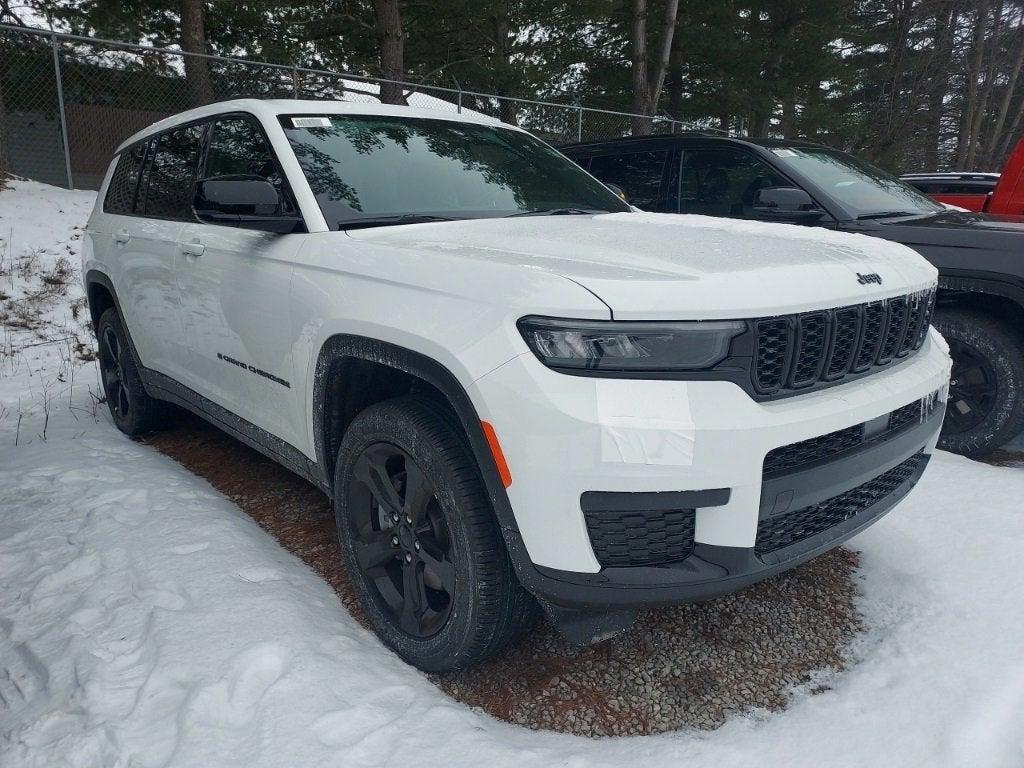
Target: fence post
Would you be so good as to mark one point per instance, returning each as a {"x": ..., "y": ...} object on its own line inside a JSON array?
[
  {"x": 579, "y": 123},
  {"x": 459, "y": 106},
  {"x": 295, "y": 80},
  {"x": 60, "y": 107}
]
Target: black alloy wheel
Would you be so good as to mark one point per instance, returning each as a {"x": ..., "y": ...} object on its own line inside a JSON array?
[
  {"x": 401, "y": 540},
  {"x": 985, "y": 407},
  {"x": 420, "y": 540},
  {"x": 111, "y": 365},
  {"x": 973, "y": 388},
  {"x": 133, "y": 410}
]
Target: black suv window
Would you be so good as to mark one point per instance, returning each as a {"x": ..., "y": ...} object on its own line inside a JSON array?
[
  {"x": 125, "y": 180},
  {"x": 239, "y": 148},
  {"x": 171, "y": 174},
  {"x": 723, "y": 182},
  {"x": 638, "y": 174}
]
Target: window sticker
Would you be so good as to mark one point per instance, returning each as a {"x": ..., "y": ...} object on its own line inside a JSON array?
[
  {"x": 785, "y": 152},
  {"x": 311, "y": 122}
]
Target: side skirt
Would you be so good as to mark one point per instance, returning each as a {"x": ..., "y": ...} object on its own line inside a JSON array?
[{"x": 163, "y": 387}]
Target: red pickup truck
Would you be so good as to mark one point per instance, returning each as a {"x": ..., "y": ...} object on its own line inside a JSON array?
[{"x": 982, "y": 192}]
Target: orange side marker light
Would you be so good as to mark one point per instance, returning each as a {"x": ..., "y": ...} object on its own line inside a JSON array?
[{"x": 499, "y": 457}]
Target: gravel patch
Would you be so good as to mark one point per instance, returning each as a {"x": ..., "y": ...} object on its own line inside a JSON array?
[{"x": 689, "y": 666}]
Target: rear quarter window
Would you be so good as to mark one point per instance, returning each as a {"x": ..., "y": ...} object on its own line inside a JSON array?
[{"x": 125, "y": 181}]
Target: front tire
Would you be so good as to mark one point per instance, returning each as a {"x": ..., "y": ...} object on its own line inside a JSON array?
[
  {"x": 420, "y": 539},
  {"x": 134, "y": 412},
  {"x": 986, "y": 390}
]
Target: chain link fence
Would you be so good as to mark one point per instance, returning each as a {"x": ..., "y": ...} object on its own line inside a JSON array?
[{"x": 67, "y": 102}]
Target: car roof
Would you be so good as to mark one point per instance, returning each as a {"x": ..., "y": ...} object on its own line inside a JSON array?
[
  {"x": 270, "y": 109},
  {"x": 692, "y": 136}
]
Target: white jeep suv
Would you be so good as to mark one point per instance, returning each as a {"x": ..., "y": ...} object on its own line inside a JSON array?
[{"x": 512, "y": 385}]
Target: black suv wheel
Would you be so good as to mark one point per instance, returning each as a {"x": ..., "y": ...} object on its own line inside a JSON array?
[
  {"x": 986, "y": 400},
  {"x": 134, "y": 412},
  {"x": 420, "y": 539}
]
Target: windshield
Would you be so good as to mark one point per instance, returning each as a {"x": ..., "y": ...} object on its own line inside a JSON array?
[
  {"x": 370, "y": 167},
  {"x": 867, "y": 191}
]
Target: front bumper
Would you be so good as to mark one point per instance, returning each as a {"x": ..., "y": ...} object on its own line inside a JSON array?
[{"x": 700, "y": 445}]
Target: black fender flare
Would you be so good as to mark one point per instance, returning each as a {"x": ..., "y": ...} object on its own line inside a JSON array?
[
  {"x": 342, "y": 346},
  {"x": 972, "y": 281},
  {"x": 95, "y": 277}
]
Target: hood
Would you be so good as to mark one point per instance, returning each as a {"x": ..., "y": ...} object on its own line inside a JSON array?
[
  {"x": 667, "y": 266},
  {"x": 960, "y": 220},
  {"x": 956, "y": 240}
]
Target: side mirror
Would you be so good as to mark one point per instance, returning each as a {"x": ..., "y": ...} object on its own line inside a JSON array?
[
  {"x": 617, "y": 190},
  {"x": 790, "y": 204},
  {"x": 242, "y": 201}
]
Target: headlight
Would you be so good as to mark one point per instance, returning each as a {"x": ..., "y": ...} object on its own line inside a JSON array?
[{"x": 600, "y": 345}]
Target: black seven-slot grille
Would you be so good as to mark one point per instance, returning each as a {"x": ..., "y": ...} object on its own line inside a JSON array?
[
  {"x": 817, "y": 450},
  {"x": 622, "y": 539},
  {"x": 781, "y": 531},
  {"x": 795, "y": 352}
]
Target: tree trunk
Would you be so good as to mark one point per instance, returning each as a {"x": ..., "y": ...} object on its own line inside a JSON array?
[
  {"x": 788, "y": 124},
  {"x": 1010, "y": 137},
  {"x": 648, "y": 84},
  {"x": 937, "y": 86},
  {"x": 990, "y": 77},
  {"x": 996, "y": 132},
  {"x": 507, "y": 111},
  {"x": 970, "y": 97},
  {"x": 392, "y": 49},
  {"x": 193, "y": 40},
  {"x": 674, "y": 83},
  {"x": 639, "y": 48}
]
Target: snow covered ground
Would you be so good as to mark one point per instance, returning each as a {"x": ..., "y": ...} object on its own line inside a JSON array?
[{"x": 145, "y": 621}]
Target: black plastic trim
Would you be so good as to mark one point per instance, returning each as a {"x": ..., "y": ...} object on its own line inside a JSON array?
[
  {"x": 710, "y": 570},
  {"x": 163, "y": 387},
  {"x": 652, "y": 501}
]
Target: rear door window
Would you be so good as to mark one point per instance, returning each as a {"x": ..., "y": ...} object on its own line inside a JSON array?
[
  {"x": 638, "y": 174},
  {"x": 172, "y": 174}
]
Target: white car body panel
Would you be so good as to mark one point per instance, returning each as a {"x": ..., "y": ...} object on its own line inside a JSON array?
[{"x": 654, "y": 266}]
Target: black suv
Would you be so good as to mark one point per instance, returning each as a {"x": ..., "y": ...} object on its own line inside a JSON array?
[{"x": 981, "y": 272}]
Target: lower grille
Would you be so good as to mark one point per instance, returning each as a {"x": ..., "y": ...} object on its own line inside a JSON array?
[
  {"x": 781, "y": 531},
  {"x": 816, "y": 450},
  {"x": 624, "y": 539},
  {"x": 796, "y": 455}
]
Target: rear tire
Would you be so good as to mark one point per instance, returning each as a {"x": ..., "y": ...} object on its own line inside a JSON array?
[
  {"x": 134, "y": 412},
  {"x": 420, "y": 539},
  {"x": 986, "y": 391}
]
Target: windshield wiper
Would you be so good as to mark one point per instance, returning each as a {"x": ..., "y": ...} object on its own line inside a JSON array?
[
  {"x": 557, "y": 212},
  {"x": 387, "y": 221},
  {"x": 887, "y": 214}
]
